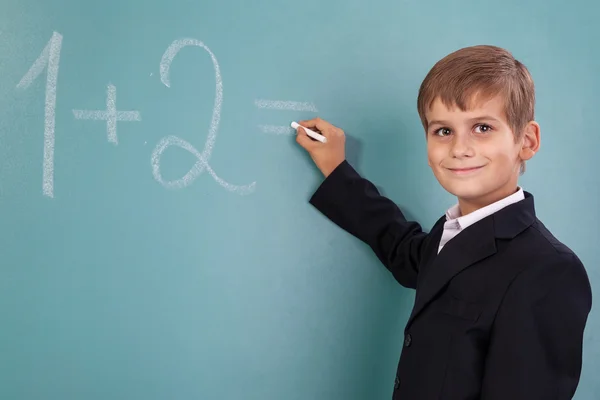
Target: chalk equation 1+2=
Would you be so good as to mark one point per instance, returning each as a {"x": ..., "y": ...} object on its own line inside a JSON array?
[{"x": 49, "y": 60}]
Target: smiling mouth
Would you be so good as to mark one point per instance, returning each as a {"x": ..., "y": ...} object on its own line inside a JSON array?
[{"x": 464, "y": 171}]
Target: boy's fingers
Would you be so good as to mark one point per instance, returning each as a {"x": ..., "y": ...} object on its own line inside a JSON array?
[
  {"x": 317, "y": 124},
  {"x": 304, "y": 140}
]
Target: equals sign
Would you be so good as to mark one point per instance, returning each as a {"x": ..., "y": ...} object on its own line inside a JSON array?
[{"x": 282, "y": 105}]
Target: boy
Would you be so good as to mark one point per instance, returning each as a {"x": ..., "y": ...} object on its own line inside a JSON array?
[{"x": 501, "y": 304}]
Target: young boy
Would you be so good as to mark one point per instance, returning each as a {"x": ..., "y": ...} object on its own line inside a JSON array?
[{"x": 501, "y": 304}]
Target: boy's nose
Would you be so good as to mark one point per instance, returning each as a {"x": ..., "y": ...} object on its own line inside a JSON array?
[{"x": 461, "y": 146}]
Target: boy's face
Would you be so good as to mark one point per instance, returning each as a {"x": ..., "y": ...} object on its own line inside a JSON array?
[{"x": 474, "y": 154}]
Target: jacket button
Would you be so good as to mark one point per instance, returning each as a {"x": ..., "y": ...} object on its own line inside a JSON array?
[
  {"x": 396, "y": 383},
  {"x": 407, "y": 340}
]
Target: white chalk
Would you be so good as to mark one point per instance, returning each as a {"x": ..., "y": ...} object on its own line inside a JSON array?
[{"x": 310, "y": 133}]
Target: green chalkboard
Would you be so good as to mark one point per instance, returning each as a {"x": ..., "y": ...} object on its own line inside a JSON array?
[{"x": 156, "y": 237}]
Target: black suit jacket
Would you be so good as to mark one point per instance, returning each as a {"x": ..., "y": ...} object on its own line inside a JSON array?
[{"x": 499, "y": 313}]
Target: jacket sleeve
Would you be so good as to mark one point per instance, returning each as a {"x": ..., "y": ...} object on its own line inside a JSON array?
[
  {"x": 536, "y": 343},
  {"x": 355, "y": 205}
]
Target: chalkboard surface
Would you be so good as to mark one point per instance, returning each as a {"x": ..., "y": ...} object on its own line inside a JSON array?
[{"x": 156, "y": 237}]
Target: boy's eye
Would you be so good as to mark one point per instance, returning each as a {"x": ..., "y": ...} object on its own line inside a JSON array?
[
  {"x": 442, "y": 132},
  {"x": 483, "y": 128}
]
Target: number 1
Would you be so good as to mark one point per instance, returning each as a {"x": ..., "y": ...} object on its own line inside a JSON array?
[{"x": 49, "y": 58}]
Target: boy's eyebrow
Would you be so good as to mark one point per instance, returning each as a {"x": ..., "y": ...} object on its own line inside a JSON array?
[
  {"x": 485, "y": 117},
  {"x": 436, "y": 122},
  {"x": 478, "y": 118}
]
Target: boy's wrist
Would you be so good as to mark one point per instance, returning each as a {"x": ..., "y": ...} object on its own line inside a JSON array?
[{"x": 328, "y": 170}]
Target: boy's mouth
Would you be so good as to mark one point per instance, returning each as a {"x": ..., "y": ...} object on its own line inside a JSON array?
[{"x": 465, "y": 170}]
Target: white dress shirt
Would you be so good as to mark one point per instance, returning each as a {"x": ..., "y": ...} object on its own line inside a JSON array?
[{"x": 455, "y": 223}]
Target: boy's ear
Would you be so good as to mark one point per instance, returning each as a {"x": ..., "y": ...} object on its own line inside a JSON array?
[{"x": 530, "y": 143}]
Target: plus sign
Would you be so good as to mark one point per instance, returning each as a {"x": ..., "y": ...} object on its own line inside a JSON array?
[{"x": 111, "y": 115}]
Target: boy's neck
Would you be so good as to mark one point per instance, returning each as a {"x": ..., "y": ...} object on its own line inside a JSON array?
[{"x": 467, "y": 206}]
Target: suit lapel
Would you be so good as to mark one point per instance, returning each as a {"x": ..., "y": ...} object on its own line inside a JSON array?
[{"x": 473, "y": 244}]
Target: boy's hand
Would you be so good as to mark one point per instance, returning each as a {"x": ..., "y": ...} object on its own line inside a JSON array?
[{"x": 327, "y": 156}]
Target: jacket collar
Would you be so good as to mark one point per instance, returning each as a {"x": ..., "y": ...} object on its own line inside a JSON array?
[
  {"x": 473, "y": 244},
  {"x": 463, "y": 221}
]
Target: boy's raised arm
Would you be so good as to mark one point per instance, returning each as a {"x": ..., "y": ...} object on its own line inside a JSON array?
[{"x": 354, "y": 204}]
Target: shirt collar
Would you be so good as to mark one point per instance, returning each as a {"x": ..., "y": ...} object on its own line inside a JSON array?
[{"x": 453, "y": 214}]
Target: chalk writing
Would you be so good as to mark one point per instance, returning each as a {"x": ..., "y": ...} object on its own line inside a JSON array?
[
  {"x": 285, "y": 105},
  {"x": 110, "y": 115},
  {"x": 276, "y": 129},
  {"x": 49, "y": 60},
  {"x": 169, "y": 141}
]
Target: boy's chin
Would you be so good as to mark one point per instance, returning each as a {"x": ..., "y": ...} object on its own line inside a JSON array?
[{"x": 470, "y": 191}]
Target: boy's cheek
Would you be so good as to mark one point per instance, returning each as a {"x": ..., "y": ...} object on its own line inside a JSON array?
[{"x": 434, "y": 155}]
